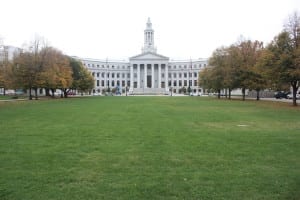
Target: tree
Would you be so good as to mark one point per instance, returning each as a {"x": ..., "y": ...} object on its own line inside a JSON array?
[
  {"x": 216, "y": 74},
  {"x": 282, "y": 56},
  {"x": 27, "y": 68},
  {"x": 82, "y": 78},
  {"x": 6, "y": 77},
  {"x": 57, "y": 72},
  {"x": 249, "y": 76}
]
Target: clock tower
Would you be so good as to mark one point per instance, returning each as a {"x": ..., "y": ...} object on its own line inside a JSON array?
[{"x": 149, "y": 38}]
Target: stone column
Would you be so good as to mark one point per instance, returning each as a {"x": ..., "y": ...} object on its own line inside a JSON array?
[
  {"x": 131, "y": 77},
  {"x": 138, "y": 76},
  {"x": 159, "y": 75},
  {"x": 152, "y": 76},
  {"x": 192, "y": 79},
  {"x": 145, "y": 75},
  {"x": 166, "y": 78},
  {"x": 105, "y": 79}
]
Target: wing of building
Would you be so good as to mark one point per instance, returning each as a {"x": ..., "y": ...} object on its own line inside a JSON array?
[{"x": 148, "y": 72}]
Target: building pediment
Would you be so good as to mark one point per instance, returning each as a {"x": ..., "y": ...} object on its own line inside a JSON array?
[{"x": 149, "y": 56}]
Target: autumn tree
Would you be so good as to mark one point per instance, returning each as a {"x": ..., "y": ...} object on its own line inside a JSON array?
[
  {"x": 56, "y": 70},
  {"x": 27, "y": 67},
  {"x": 282, "y": 56},
  {"x": 249, "y": 77},
  {"x": 216, "y": 73}
]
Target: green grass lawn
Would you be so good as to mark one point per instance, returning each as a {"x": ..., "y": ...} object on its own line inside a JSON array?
[{"x": 149, "y": 148}]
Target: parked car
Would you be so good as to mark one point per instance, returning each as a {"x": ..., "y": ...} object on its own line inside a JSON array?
[
  {"x": 281, "y": 95},
  {"x": 290, "y": 96}
]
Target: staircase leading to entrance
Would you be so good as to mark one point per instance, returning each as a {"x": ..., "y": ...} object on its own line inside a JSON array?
[{"x": 151, "y": 91}]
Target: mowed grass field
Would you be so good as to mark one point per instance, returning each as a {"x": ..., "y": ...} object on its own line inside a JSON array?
[{"x": 149, "y": 148}]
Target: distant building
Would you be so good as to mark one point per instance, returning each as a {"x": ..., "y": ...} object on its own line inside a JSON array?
[
  {"x": 146, "y": 73},
  {"x": 7, "y": 52}
]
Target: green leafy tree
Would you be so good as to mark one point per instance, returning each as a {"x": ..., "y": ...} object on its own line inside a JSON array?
[
  {"x": 82, "y": 78},
  {"x": 281, "y": 58}
]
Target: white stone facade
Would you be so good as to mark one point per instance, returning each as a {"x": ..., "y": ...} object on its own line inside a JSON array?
[{"x": 146, "y": 73}]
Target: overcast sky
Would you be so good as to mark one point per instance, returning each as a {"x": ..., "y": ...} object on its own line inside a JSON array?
[{"x": 114, "y": 29}]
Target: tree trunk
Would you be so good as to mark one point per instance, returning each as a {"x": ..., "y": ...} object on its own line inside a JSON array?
[
  {"x": 35, "y": 94},
  {"x": 47, "y": 92},
  {"x": 4, "y": 91},
  {"x": 219, "y": 94},
  {"x": 257, "y": 94},
  {"x": 30, "y": 94},
  {"x": 295, "y": 89},
  {"x": 244, "y": 95},
  {"x": 52, "y": 90},
  {"x": 226, "y": 93},
  {"x": 229, "y": 93}
]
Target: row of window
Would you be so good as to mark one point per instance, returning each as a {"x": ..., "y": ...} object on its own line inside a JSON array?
[
  {"x": 118, "y": 75},
  {"x": 107, "y": 66},
  {"x": 113, "y": 83},
  {"x": 127, "y": 67}
]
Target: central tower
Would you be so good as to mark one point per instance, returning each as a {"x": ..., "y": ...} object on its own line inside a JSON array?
[{"x": 149, "y": 38}]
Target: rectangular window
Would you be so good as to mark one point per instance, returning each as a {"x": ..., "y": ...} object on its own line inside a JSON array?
[
  {"x": 102, "y": 83},
  {"x": 123, "y": 83},
  {"x": 195, "y": 82},
  {"x": 185, "y": 83},
  {"x": 97, "y": 82},
  {"x": 185, "y": 75},
  {"x": 195, "y": 74},
  {"x": 180, "y": 83}
]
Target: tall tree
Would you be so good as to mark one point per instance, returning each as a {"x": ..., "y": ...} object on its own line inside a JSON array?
[
  {"x": 251, "y": 76},
  {"x": 216, "y": 73},
  {"x": 282, "y": 56},
  {"x": 82, "y": 78},
  {"x": 56, "y": 73},
  {"x": 28, "y": 67}
]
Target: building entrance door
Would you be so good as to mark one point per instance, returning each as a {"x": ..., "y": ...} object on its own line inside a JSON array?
[{"x": 149, "y": 81}]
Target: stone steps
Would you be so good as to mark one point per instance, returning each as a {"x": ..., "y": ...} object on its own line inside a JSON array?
[{"x": 152, "y": 91}]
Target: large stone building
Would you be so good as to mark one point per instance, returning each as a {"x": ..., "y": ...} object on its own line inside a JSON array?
[{"x": 146, "y": 73}]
